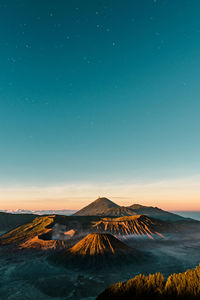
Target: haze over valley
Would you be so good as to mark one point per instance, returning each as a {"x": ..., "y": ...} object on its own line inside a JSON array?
[{"x": 98, "y": 245}]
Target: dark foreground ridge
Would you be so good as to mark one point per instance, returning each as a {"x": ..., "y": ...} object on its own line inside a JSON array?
[
  {"x": 9, "y": 221},
  {"x": 177, "y": 286}
]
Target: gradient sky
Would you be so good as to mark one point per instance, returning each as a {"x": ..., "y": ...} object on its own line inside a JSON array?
[{"x": 99, "y": 98}]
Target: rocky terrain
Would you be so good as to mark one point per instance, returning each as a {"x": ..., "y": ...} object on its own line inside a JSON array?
[{"x": 137, "y": 225}]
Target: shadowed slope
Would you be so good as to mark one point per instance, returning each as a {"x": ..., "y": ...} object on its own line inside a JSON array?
[
  {"x": 155, "y": 212},
  {"x": 99, "y": 206},
  {"x": 104, "y": 207},
  {"x": 9, "y": 221}
]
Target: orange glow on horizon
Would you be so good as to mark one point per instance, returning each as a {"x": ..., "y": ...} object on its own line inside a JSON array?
[
  {"x": 178, "y": 204},
  {"x": 173, "y": 195}
]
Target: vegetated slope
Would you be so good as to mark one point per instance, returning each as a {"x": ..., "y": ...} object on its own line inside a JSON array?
[
  {"x": 39, "y": 225},
  {"x": 99, "y": 244},
  {"x": 9, "y": 221},
  {"x": 133, "y": 225},
  {"x": 177, "y": 286},
  {"x": 155, "y": 212}
]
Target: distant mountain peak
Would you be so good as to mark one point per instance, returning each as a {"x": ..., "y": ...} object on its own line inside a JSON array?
[
  {"x": 98, "y": 207},
  {"x": 104, "y": 200}
]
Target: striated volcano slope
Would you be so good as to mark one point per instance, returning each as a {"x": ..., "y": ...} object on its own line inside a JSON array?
[
  {"x": 95, "y": 244},
  {"x": 133, "y": 225},
  {"x": 97, "y": 251}
]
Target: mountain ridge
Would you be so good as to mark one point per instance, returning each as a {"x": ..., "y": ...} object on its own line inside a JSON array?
[
  {"x": 20, "y": 211},
  {"x": 107, "y": 208}
]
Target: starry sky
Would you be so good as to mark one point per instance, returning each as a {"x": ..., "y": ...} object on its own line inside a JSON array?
[{"x": 99, "y": 98}]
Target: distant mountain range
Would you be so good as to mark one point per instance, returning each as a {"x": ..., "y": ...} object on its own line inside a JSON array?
[
  {"x": 107, "y": 208},
  {"x": 65, "y": 212},
  {"x": 100, "y": 216}
]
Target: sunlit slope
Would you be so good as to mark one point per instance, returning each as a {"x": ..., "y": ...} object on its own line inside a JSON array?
[
  {"x": 43, "y": 231},
  {"x": 32, "y": 234},
  {"x": 133, "y": 225},
  {"x": 99, "y": 244},
  {"x": 44, "y": 224},
  {"x": 39, "y": 243},
  {"x": 39, "y": 225},
  {"x": 98, "y": 251}
]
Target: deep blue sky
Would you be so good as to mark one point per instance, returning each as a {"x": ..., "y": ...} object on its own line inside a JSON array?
[{"x": 99, "y": 90}]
